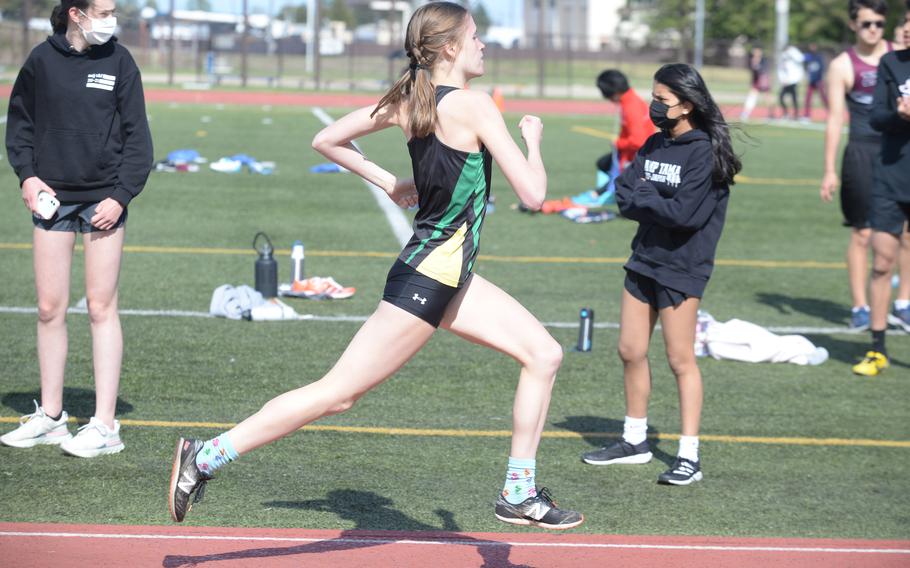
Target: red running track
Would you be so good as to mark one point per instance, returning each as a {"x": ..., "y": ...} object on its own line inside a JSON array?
[
  {"x": 282, "y": 98},
  {"x": 31, "y": 544}
]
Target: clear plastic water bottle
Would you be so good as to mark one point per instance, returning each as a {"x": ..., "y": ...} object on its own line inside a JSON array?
[
  {"x": 585, "y": 330},
  {"x": 297, "y": 258}
]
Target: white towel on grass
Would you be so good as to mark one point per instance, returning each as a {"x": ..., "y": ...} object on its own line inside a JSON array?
[
  {"x": 231, "y": 301},
  {"x": 744, "y": 341}
]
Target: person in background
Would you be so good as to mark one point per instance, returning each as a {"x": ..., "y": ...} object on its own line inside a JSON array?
[
  {"x": 851, "y": 81},
  {"x": 789, "y": 73},
  {"x": 77, "y": 130},
  {"x": 815, "y": 73},
  {"x": 635, "y": 127},
  {"x": 760, "y": 84},
  {"x": 889, "y": 209}
]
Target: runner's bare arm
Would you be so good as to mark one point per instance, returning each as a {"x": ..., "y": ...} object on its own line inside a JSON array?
[
  {"x": 334, "y": 142},
  {"x": 839, "y": 81},
  {"x": 526, "y": 175}
]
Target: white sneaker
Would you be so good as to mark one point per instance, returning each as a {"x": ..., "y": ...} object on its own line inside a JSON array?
[
  {"x": 93, "y": 440},
  {"x": 37, "y": 428}
]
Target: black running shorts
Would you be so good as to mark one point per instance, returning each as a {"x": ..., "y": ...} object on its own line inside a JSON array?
[
  {"x": 417, "y": 294},
  {"x": 651, "y": 292},
  {"x": 857, "y": 180},
  {"x": 887, "y": 215}
]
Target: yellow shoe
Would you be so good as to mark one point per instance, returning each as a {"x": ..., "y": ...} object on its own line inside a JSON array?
[{"x": 872, "y": 365}]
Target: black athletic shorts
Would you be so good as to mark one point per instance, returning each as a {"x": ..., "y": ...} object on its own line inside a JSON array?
[
  {"x": 417, "y": 294},
  {"x": 887, "y": 215},
  {"x": 857, "y": 180},
  {"x": 651, "y": 292}
]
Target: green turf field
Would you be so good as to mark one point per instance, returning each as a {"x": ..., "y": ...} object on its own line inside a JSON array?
[{"x": 205, "y": 370}]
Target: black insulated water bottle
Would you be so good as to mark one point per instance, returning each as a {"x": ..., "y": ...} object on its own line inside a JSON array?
[{"x": 266, "y": 266}]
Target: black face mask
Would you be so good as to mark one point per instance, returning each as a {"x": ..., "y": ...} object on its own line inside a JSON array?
[{"x": 658, "y": 114}]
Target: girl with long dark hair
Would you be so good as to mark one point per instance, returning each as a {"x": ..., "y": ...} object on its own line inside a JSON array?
[
  {"x": 453, "y": 135},
  {"x": 677, "y": 191}
]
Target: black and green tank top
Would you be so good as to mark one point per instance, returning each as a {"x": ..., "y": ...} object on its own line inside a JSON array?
[{"x": 452, "y": 191}]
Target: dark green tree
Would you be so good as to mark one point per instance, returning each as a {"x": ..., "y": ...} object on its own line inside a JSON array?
[
  {"x": 481, "y": 18},
  {"x": 203, "y": 5},
  {"x": 291, "y": 13},
  {"x": 12, "y": 9},
  {"x": 339, "y": 12},
  {"x": 820, "y": 21}
]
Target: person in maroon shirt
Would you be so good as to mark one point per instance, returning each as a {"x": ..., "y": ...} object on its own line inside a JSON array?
[{"x": 852, "y": 76}]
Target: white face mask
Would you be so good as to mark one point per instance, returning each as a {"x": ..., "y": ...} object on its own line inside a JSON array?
[{"x": 102, "y": 30}]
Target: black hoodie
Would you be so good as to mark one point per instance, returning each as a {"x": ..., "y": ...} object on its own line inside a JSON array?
[
  {"x": 894, "y": 168},
  {"x": 679, "y": 208},
  {"x": 77, "y": 121}
]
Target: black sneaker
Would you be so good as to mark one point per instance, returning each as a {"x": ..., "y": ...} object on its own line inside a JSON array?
[
  {"x": 539, "y": 511},
  {"x": 682, "y": 472},
  {"x": 186, "y": 479},
  {"x": 620, "y": 452}
]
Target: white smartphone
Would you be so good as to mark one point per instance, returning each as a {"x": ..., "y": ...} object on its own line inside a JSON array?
[{"x": 47, "y": 205}]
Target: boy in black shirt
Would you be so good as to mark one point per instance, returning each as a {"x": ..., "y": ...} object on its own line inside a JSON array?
[{"x": 890, "y": 206}]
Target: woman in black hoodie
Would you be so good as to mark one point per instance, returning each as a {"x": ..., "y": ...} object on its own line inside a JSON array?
[
  {"x": 77, "y": 132},
  {"x": 677, "y": 190}
]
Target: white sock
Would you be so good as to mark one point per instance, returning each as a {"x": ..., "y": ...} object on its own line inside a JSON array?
[
  {"x": 635, "y": 430},
  {"x": 749, "y": 105},
  {"x": 901, "y": 304},
  {"x": 688, "y": 448}
]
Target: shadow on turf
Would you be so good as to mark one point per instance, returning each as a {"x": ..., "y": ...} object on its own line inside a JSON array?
[
  {"x": 850, "y": 352},
  {"x": 369, "y": 512},
  {"x": 831, "y": 312},
  {"x": 598, "y": 431},
  {"x": 77, "y": 402}
]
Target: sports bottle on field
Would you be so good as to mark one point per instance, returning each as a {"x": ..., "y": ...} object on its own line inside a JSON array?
[
  {"x": 266, "y": 266},
  {"x": 585, "y": 329},
  {"x": 297, "y": 262}
]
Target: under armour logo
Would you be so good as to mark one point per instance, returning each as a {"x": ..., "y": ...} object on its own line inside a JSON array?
[{"x": 417, "y": 298}]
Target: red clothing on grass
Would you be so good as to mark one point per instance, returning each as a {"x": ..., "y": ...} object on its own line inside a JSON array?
[{"x": 635, "y": 126}]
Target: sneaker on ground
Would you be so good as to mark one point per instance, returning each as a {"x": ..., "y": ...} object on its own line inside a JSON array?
[
  {"x": 551, "y": 206},
  {"x": 859, "y": 318},
  {"x": 873, "y": 364},
  {"x": 186, "y": 479},
  {"x": 900, "y": 318},
  {"x": 682, "y": 472},
  {"x": 37, "y": 428},
  {"x": 93, "y": 440},
  {"x": 539, "y": 511},
  {"x": 592, "y": 199},
  {"x": 620, "y": 452}
]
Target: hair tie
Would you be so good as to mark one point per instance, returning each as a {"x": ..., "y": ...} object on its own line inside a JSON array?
[{"x": 413, "y": 66}]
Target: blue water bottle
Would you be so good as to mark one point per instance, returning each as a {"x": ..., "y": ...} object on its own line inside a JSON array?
[{"x": 585, "y": 330}]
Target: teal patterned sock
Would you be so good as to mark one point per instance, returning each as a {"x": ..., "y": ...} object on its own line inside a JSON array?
[
  {"x": 519, "y": 480},
  {"x": 216, "y": 453}
]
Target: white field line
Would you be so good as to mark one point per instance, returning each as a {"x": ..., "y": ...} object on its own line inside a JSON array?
[
  {"x": 465, "y": 542},
  {"x": 359, "y": 319},
  {"x": 397, "y": 221}
]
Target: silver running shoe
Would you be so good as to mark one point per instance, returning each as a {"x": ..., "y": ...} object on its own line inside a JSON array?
[
  {"x": 186, "y": 479},
  {"x": 539, "y": 511}
]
